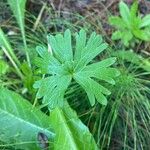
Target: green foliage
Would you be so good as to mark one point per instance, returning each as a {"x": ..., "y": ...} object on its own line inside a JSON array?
[
  {"x": 125, "y": 120},
  {"x": 29, "y": 77},
  {"x": 4, "y": 41},
  {"x": 71, "y": 133},
  {"x": 18, "y": 9},
  {"x": 20, "y": 123},
  {"x": 137, "y": 59},
  {"x": 9, "y": 52},
  {"x": 130, "y": 25},
  {"x": 132, "y": 103},
  {"x": 62, "y": 66},
  {"x": 68, "y": 68},
  {"x": 3, "y": 67}
]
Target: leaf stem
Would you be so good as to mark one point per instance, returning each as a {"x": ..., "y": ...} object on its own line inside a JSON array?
[{"x": 26, "y": 49}]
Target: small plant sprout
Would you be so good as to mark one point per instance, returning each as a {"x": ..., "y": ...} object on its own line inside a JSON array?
[
  {"x": 131, "y": 26},
  {"x": 74, "y": 63}
]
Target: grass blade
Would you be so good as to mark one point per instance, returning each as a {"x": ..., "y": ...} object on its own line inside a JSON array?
[{"x": 18, "y": 9}]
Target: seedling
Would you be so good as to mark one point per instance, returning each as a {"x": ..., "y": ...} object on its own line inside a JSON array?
[
  {"x": 131, "y": 26},
  {"x": 62, "y": 64}
]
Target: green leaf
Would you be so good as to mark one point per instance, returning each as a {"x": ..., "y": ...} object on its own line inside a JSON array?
[
  {"x": 142, "y": 34},
  {"x": 133, "y": 10},
  {"x": 88, "y": 57},
  {"x": 126, "y": 37},
  {"x": 52, "y": 89},
  {"x": 61, "y": 67},
  {"x": 116, "y": 35},
  {"x": 124, "y": 12},
  {"x": 145, "y": 21},
  {"x": 80, "y": 44},
  {"x": 93, "y": 47},
  {"x": 47, "y": 63},
  {"x": 3, "y": 67},
  {"x": 102, "y": 64},
  {"x": 97, "y": 70},
  {"x": 29, "y": 77},
  {"x": 136, "y": 59},
  {"x": 18, "y": 9},
  {"x": 117, "y": 22},
  {"x": 20, "y": 123},
  {"x": 71, "y": 133},
  {"x": 127, "y": 55},
  {"x": 135, "y": 23},
  {"x": 101, "y": 74},
  {"x": 61, "y": 46},
  {"x": 92, "y": 86}
]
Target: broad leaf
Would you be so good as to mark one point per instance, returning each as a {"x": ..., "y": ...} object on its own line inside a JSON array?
[
  {"x": 20, "y": 123},
  {"x": 71, "y": 133},
  {"x": 61, "y": 67}
]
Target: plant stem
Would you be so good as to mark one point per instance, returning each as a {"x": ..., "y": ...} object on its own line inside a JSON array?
[
  {"x": 35, "y": 102},
  {"x": 39, "y": 17},
  {"x": 26, "y": 49}
]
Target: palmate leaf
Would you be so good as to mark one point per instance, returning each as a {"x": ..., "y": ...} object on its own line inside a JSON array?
[
  {"x": 53, "y": 90},
  {"x": 20, "y": 123},
  {"x": 62, "y": 66},
  {"x": 93, "y": 47},
  {"x": 62, "y": 46}
]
